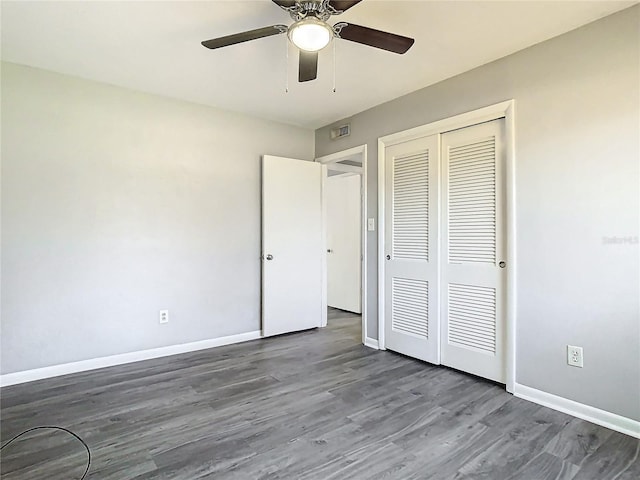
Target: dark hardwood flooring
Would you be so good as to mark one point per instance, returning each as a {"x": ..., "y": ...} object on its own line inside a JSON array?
[{"x": 311, "y": 405}]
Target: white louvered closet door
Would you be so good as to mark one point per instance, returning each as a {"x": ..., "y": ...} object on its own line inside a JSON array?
[
  {"x": 473, "y": 250},
  {"x": 411, "y": 256}
]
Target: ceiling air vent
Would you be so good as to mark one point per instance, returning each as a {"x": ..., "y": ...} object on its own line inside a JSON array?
[{"x": 341, "y": 131}]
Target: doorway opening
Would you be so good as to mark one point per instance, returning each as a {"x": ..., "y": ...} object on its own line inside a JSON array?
[{"x": 345, "y": 231}]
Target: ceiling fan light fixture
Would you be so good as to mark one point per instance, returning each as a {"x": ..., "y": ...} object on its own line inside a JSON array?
[{"x": 310, "y": 34}]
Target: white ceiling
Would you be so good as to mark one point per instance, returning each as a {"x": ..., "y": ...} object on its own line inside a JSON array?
[{"x": 155, "y": 47}]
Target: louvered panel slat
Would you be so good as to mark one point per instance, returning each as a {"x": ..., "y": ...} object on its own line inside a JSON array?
[
  {"x": 462, "y": 194},
  {"x": 472, "y": 227},
  {"x": 468, "y": 175},
  {"x": 457, "y": 166},
  {"x": 472, "y": 317},
  {"x": 473, "y": 224},
  {"x": 413, "y": 291},
  {"x": 469, "y": 229},
  {"x": 410, "y": 306},
  {"x": 468, "y": 170},
  {"x": 409, "y": 168},
  {"x": 473, "y": 322},
  {"x": 480, "y": 242},
  {"x": 473, "y": 310},
  {"x": 472, "y": 197},
  {"x": 475, "y": 291},
  {"x": 461, "y": 156},
  {"x": 471, "y": 343},
  {"x": 408, "y": 186},
  {"x": 407, "y": 179},
  {"x": 474, "y": 158},
  {"x": 464, "y": 151},
  {"x": 458, "y": 182},
  {"x": 409, "y": 321},
  {"x": 472, "y": 216},
  {"x": 480, "y": 164},
  {"x": 472, "y": 202},
  {"x": 471, "y": 336},
  {"x": 471, "y": 188},
  {"x": 411, "y": 162},
  {"x": 410, "y": 217},
  {"x": 487, "y": 143},
  {"x": 470, "y": 210}
]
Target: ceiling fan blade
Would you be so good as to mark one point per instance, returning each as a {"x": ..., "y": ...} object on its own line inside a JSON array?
[
  {"x": 308, "y": 68},
  {"x": 284, "y": 3},
  {"x": 343, "y": 5},
  {"x": 245, "y": 36},
  {"x": 374, "y": 38}
]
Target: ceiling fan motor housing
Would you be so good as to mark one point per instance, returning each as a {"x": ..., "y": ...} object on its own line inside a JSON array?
[{"x": 320, "y": 9}]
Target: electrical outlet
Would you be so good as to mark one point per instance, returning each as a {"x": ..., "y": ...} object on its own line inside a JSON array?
[
  {"x": 574, "y": 356},
  {"x": 164, "y": 316}
]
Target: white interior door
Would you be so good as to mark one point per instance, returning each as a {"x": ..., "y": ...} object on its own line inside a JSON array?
[
  {"x": 473, "y": 253},
  {"x": 411, "y": 244},
  {"x": 342, "y": 194},
  {"x": 292, "y": 256}
]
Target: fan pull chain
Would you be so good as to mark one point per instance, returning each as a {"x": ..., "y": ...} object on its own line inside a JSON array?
[
  {"x": 286, "y": 68},
  {"x": 334, "y": 65}
]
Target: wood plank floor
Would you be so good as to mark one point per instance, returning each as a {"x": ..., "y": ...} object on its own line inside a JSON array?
[{"x": 311, "y": 405}]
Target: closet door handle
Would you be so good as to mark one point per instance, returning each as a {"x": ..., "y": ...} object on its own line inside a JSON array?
[{"x": 388, "y": 257}]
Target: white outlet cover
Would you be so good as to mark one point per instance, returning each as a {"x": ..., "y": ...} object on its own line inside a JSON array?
[
  {"x": 164, "y": 316},
  {"x": 575, "y": 356}
]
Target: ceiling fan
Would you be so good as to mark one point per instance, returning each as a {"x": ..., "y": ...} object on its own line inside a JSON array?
[{"x": 311, "y": 32}]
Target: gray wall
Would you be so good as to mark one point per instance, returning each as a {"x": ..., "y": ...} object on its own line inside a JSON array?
[
  {"x": 117, "y": 204},
  {"x": 577, "y": 182}
]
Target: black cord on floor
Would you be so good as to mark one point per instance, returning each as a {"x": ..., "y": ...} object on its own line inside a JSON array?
[{"x": 64, "y": 430}]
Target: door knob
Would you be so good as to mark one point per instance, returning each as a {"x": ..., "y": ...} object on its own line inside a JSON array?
[
  {"x": 388, "y": 257},
  {"x": 502, "y": 264},
  {"x": 329, "y": 250},
  {"x": 269, "y": 257}
]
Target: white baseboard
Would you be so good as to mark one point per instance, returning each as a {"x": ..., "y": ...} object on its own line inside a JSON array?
[
  {"x": 110, "y": 361},
  {"x": 371, "y": 343},
  {"x": 610, "y": 420}
]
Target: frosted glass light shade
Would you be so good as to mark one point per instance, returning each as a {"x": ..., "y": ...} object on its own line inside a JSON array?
[{"x": 310, "y": 34}]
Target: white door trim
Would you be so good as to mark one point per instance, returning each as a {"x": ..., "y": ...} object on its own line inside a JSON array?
[
  {"x": 359, "y": 152},
  {"x": 336, "y": 167},
  {"x": 504, "y": 110}
]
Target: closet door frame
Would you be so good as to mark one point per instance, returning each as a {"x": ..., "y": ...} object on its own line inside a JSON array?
[{"x": 504, "y": 110}]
